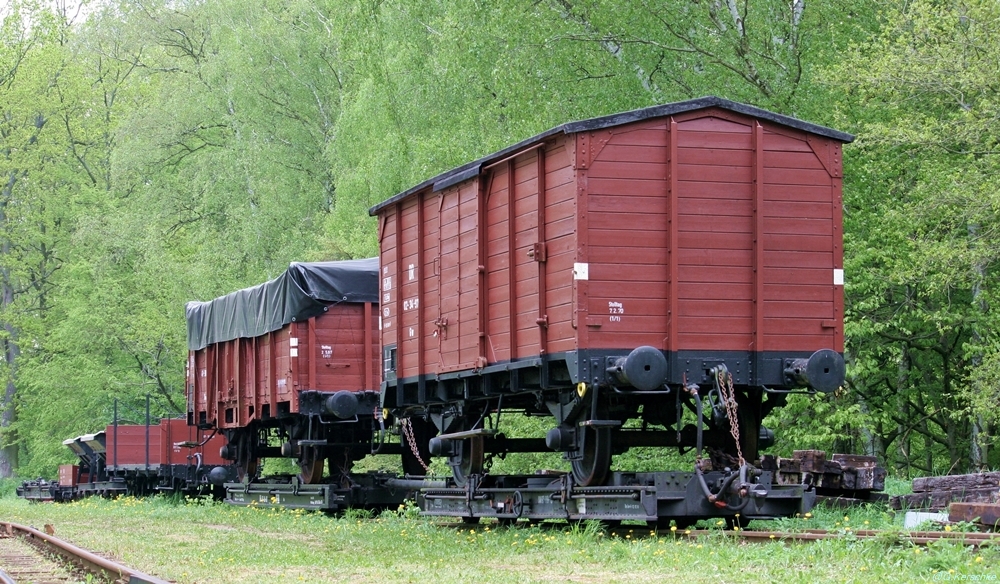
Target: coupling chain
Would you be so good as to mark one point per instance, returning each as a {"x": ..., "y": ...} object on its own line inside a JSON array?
[
  {"x": 404, "y": 425},
  {"x": 728, "y": 394}
]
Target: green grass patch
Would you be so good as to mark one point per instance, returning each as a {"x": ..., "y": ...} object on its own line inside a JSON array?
[{"x": 202, "y": 542}]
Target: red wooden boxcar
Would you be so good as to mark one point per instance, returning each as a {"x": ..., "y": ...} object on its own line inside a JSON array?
[
  {"x": 606, "y": 269},
  {"x": 295, "y": 358}
]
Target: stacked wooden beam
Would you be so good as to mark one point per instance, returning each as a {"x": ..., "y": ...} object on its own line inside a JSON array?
[
  {"x": 985, "y": 514},
  {"x": 842, "y": 475},
  {"x": 937, "y": 492}
]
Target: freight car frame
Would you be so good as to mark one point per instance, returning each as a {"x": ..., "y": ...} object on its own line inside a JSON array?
[{"x": 617, "y": 268}]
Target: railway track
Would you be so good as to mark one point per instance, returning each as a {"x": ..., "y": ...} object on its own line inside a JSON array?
[
  {"x": 922, "y": 538},
  {"x": 974, "y": 539},
  {"x": 29, "y": 555}
]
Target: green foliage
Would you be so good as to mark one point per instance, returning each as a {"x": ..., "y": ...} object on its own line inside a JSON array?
[
  {"x": 169, "y": 151},
  {"x": 920, "y": 231},
  {"x": 219, "y": 543}
]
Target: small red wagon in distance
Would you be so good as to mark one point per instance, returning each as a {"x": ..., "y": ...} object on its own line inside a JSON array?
[{"x": 686, "y": 256}]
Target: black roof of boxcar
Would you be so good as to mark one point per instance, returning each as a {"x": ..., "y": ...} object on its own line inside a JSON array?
[
  {"x": 471, "y": 169},
  {"x": 303, "y": 291}
]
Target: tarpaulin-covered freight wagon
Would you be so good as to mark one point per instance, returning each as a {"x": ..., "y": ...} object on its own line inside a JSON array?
[
  {"x": 594, "y": 271},
  {"x": 296, "y": 358}
]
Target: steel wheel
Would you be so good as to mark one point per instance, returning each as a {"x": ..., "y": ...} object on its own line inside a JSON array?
[
  {"x": 311, "y": 466},
  {"x": 593, "y": 468},
  {"x": 468, "y": 461},
  {"x": 246, "y": 469},
  {"x": 247, "y": 463}
]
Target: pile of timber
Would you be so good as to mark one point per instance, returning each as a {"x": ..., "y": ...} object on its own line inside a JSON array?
[
  {"x": 985, "y": 514},
  {"x": 934, "y": 493}
]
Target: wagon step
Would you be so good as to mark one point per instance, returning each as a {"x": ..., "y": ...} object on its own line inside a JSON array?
[{"x": 601, "y": 423}]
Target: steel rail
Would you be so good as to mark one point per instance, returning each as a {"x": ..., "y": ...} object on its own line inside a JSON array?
[
  {"x": 914, "y": 537},
  {"x": 970, "y": 538},
  {"x": 89, "y": 561}
]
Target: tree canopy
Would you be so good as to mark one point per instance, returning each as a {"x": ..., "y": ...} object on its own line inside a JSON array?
[{"x": 159, "y": 151}]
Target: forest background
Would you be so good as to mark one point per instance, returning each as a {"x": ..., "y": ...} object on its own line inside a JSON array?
[{"x": 154, "y": 152}]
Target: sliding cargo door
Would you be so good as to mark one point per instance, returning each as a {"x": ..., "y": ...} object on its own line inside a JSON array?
[{"x": 459, "y": 329}]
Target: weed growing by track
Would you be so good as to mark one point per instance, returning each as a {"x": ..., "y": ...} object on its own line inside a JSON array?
[{"x": 203, "y": 542}]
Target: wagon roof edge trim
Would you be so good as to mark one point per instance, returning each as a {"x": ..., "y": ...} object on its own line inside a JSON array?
[{"x": 470, "y": 169}]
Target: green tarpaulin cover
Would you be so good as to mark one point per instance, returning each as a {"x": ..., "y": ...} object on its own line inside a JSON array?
[{"x": 305, "y": 290}]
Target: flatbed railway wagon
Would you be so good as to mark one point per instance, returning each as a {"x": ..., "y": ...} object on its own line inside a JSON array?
[
  {"x": 683, "y": 257},
  {"x": 291, "y": 369},
  {"x": 138, "y": 459}
]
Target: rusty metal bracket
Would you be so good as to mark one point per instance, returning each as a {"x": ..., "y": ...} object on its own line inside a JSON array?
[{"x": 538, "y": 252}]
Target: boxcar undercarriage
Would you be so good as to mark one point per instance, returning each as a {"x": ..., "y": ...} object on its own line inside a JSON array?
[
  {"x": 592, "y": 395},
  {"x": 331, "y": 431}
]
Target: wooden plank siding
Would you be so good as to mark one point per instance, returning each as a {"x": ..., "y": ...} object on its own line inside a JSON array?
[
  {"x": 704, "y": 230},
  {"x": 720, "y": 299},
  {"x": 337, "y": 350},
  {"x": 800, "y": 304},
  {"x": 627, "y": 231},
  {"x": 727, "y": 209},
  {"x": 513, "y": 275}
]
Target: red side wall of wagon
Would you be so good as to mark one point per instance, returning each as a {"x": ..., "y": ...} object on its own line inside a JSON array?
[
  {"x": 126, "y": 444},
  {"x": 235, "y": 382},
  {"x": 704, "y": 230}
]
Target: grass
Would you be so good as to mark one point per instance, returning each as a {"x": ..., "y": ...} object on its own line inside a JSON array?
[{"x": 201, "y": 542}]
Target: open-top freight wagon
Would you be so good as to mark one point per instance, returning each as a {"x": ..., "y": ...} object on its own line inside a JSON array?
[
  {"x": 290, "y": 368},
  {"x": 631, "y": 267}
]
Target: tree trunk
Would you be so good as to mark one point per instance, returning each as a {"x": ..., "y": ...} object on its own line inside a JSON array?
[
  {"x": 979, "y": 435},
  {"x": 980, "y": 443},
  {"x": 8, "y": 412}
]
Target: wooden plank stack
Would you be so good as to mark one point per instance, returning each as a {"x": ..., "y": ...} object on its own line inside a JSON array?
[
  {"x": 985, "y": 514},
  {"x": 933, "y": 493}
]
